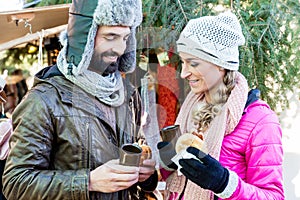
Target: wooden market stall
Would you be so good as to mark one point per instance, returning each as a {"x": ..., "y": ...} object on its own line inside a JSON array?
[{"x": 23, "y": 26}]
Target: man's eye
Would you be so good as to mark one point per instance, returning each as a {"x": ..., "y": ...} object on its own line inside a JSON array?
[
  {"x": 126, "y": 38},
  {"x": 109, "y": 38}
]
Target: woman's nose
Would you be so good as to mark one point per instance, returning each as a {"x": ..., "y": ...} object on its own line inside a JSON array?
[{"x": 184, "y": 71}]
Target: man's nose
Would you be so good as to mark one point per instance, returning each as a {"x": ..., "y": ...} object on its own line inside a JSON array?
[{"x": 120, "y": 47}]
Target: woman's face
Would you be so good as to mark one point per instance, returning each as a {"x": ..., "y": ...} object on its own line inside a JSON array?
[{"x": 201, "y": 75}]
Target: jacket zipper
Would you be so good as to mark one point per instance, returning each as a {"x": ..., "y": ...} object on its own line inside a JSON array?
[{"x": 89, "y": 143}]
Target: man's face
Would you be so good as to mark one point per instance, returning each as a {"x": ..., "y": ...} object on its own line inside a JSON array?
[{"x": 110, "y": 44}]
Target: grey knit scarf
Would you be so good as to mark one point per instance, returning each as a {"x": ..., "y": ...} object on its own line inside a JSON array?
[{"x": 108, "y": 89}]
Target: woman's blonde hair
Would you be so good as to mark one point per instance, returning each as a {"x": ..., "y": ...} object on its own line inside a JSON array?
[{"x": 205, "y": 111}]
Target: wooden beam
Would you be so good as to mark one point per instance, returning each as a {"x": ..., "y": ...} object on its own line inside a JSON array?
[
  {"x": 32, "y": 37},
  {"x": 17, "y": 17}
]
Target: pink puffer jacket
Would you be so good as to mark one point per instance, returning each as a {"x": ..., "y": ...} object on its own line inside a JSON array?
[{"x": 254, "y": 151}]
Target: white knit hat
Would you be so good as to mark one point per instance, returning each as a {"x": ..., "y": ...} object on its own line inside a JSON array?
[{"x": 214, "y": 39}]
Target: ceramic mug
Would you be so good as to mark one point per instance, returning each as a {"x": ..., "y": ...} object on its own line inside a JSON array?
[
  {"x": 130, "y": 154},
  {"x": 170, "y": 133}
]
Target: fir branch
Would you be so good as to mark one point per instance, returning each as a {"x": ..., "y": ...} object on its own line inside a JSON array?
[{"x": 181, "y": 8}]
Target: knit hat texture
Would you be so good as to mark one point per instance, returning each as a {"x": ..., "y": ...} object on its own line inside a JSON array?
[
  {"x": 214, "y": 39},
  {"x": 85, "y": 16}
]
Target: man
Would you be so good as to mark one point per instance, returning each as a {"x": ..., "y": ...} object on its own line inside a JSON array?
[{"x": 70, "y": 126}]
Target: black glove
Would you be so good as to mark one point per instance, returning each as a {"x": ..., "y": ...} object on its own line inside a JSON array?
[
  {"x": 150, "y": 184},
  {"x": 166, "y": 153},
  {"x": 208, "y": 174}
]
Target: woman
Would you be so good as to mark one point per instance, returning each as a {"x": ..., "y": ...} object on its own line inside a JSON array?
[{"x": 242, "y": 134}]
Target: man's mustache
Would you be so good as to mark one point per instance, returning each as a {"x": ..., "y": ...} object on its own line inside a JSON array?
[{"x": 110, "y": 53}]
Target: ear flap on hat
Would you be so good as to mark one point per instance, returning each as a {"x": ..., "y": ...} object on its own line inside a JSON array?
[
  {"x": 80, "y": 20},
  {"x": 78, "y": 29},
  {"x": 127, "y": 62}
]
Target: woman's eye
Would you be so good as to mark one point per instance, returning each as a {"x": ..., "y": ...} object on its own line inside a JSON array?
[{"x": 193, "y": 64}]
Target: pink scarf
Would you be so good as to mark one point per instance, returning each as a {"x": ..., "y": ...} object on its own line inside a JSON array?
[{"x": 221, "y": 125}]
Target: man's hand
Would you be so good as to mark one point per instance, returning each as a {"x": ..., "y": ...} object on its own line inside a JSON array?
[
  {"x": 147, "y": 169},
  {"x": 113, "y": 177}
]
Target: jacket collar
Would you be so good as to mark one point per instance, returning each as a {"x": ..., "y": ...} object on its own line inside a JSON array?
[{"x": 72, "y": 94}]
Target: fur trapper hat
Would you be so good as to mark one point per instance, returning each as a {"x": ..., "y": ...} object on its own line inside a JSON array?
[{"x": 85, "y": 16}]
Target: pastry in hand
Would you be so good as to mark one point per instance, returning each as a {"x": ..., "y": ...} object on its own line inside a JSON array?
[
  {"x": 190, "y": 139},
  {"x": 146, "y": 153}
]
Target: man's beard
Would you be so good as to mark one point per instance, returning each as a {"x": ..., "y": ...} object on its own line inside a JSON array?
[{"x": 98, "y": 65}]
